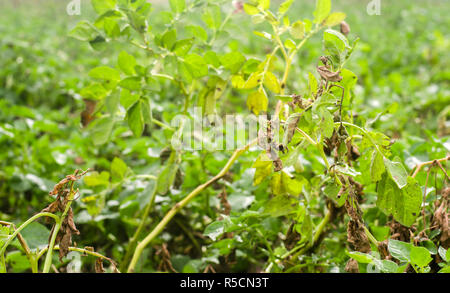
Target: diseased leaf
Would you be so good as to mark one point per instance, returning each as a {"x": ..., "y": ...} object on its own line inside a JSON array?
[
  {"x": 281, "y": 205},
  {"x": 334, "y": 18},
  {"x": 397, "y": 172},
  {"x": 404, "y": 204},
  {"x": 257, "y": 102},
  {"x": 271, "y": 82},
  {"x": 297, "y": 30},
  {"x": 376, "y": 166},
  {"x": 263, "y": 166}
]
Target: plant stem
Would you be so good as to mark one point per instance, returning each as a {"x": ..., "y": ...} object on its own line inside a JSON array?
[
  {"x": 17, "y": 232},
  {"x": 48, "y": 258},
  {"x": 363, "y": 131},
  {"x": 371, "y": 237},
  {"x": 177, "y": 207},
  {"x": 421, "y": 165},
  {"x": 134, "y": 239},
  {"x": 81, "y": 250},
  {"x": 163, "y": 125}
]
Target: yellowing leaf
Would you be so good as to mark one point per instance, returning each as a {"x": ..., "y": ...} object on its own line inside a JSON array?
[
  {"x": 297, "y": 30},
  {"x": 257, "y": 102},
  {"x": 271, "y": 82},
  {"x": 334, "y": 18}
]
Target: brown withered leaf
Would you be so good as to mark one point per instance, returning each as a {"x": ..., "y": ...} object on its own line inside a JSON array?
[
  {"x": 399, "y": 232},
  {"x": 226, "y": 207},
  {"x": 356, "y": 237},
  {"x": 64, "y": 243},
  {"x": 345, "y": 28},
  {"x": 99, "y": 266},
  {"x": 383, "y": 249},
  {"x": 441, "y": 219},
  {"x": 87, "y": 114},
  {"x": 324, "y": 60},
  {"x": 352, "y": 266},
  {"x": 329, "y": 75},
  {"x": 352, "y": 151},
  {"x": 277, "y": 165},
  {"x": 291, "y": 126}
]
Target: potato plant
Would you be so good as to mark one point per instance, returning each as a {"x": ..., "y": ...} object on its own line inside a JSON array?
[{"x": 314, "y": 174}]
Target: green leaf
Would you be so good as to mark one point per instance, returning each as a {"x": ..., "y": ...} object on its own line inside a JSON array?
[
  {"x": 102, "y": 6},
  {"x": 400, "y": 250},
  {"x": 281, "y": 205},
  {"x": 177, "y": 6},
  {"x": 264, "y": 4},
  {"x": 297, "y": 30},
  {"x": 105, "y": 73},
  {"x": 4, "y": 235},
  {"x": 136, "y": 119},
  {"x": 334, "y": 18},
  {"x": 445, "y": 270},
  {"x": 36, "y": 235},
  {"x": 212, "y": 16},
  {"x": 168, "y": 174},
  {"x": 335, "y": 45},
  {"x": 387, "y": 266},
  {"x": 182, "y": 47},
  {"x": 214, "y": 230},
  {"x": 284, "y": 7},
  {"x": 232, "y": 61},
  {"x": 84, "y": 31},
  {"x": 126, "y": 63},
  {"x": 111, "y": 27},
  {"x": 97, "y": 179},
  {"x": 18, "y": 261},
  {"x": 397, "y": 172},
  {"x": 127, "y": 99},
  {"x": 443, "y": 253},
  {"x": 168, "y": 39},
  {"x": 118, "y": 169},
  {"x": 100, "y": 129},
  {"x": 257, "y": 102},
  {"x": 132, "y": 83},
  {"x": 420, "y": 256},
  {"x": 376, "y": 166},
  {"x": 360, "y": 257},
  {"x": 250, "y": 9},
  {"x": 312, "y": 85},
  {"x": 197, "y": 32},
  {"x": 323, "y": 9},
  {"x": 94, "y": 91},
  {"x": 404, "y": 204},
  {"x": 196, "y": 65}
]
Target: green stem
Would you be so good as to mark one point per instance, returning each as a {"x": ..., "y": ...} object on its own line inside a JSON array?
[
  {"x": 363, "y": 131},
  {"x": 163, "y": 125},
  {"x": 371, "y": 237},
  {"x": 137, "y": 233},
  {"x": 16, "y": 233},
  {"x": 175, "y": 209},
  {"x": 48, "y": 258}
]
